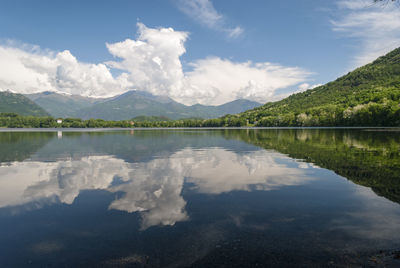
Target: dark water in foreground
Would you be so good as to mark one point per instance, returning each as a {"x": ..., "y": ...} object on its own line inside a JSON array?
[{"x": 200, "y": 198}]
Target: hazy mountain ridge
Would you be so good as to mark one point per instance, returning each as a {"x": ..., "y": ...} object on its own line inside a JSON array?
[
  {"x": 131, "y": 104},
  {"x": 19, "y": 104},
  {"x": 62, "y": 105}
]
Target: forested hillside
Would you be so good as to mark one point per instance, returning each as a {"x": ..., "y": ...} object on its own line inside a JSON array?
[
  {"x": 19, "y": 104},
  {"x": 367, "y": 96}
]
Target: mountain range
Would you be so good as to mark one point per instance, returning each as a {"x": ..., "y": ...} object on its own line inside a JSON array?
[{"x": 131, "y": 104}]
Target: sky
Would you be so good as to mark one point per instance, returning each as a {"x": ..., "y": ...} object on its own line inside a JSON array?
[{"x": 194, "y": 51}]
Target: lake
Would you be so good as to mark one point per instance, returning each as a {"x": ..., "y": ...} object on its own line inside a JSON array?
[{"x": 200, "y": 198}]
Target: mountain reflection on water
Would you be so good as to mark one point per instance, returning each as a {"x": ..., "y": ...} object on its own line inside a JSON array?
[{"x": 228, "y": 197}]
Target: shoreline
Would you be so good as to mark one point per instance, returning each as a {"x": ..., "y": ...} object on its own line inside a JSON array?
[{"x": 185, "y": 128}]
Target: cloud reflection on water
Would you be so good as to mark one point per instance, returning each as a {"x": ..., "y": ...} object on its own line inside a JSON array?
[{"x": 154, "y": 188}]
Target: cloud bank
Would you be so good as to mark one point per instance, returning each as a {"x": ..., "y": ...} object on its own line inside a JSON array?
[
  {"x": 32, "y": 70},
  {"x": 150, "y": 63},
  {"x": 375, "y": 26}
]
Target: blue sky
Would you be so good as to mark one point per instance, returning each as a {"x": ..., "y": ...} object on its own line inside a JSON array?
[{"x": 324, "y": 39}]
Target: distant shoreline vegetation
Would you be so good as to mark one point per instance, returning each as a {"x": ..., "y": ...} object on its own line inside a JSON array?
[{"x": 376, "y": 117}]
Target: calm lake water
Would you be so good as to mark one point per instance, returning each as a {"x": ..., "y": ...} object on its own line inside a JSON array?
[{"x": 200, "y": 198}]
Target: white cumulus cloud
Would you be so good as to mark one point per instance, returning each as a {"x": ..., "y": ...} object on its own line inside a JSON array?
[
  {"x": 15, "y": 76},
  {"x": 30, "y": 71},
  {"x": 375, "y": 26},
  {"x": 222, "y": 80},
  {"x": 151, "y": 63},
  {"x": 153, "y": 60}
]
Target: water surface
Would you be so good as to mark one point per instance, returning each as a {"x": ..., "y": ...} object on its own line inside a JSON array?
[{"x": 200, "y": 198}]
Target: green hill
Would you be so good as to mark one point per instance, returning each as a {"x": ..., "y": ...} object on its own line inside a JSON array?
[
  {"x": 367, "y": 96},
  {"x": 19, "y": 104}
]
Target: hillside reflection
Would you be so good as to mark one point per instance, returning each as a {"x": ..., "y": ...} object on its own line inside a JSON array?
[{"x": 366, "y": 157}]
